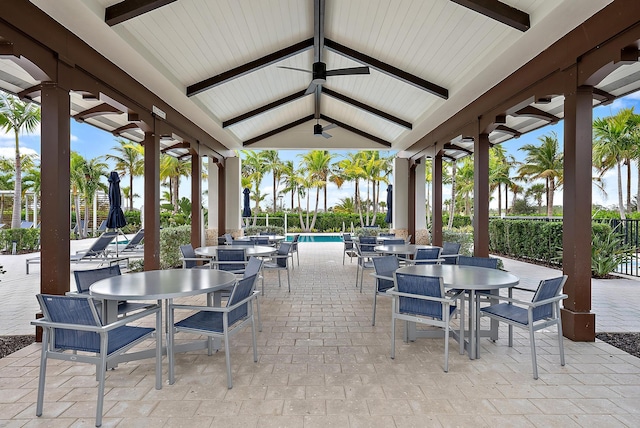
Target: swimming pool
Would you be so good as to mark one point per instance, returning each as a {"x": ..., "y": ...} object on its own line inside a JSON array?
[{"x": 317, "y": 238}]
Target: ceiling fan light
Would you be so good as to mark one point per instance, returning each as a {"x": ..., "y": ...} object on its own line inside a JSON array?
[{"x": 317, "y": 130}]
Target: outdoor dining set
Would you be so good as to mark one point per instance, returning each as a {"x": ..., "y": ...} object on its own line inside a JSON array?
[{"x": 431, "y": 286}]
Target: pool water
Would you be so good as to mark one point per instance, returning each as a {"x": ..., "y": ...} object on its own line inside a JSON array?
[{"x": 317, "y": 238}]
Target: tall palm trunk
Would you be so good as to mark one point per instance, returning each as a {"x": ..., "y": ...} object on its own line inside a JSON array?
[
  {"x": 499, "y": 200},
  {"x": 452, "y": 206},
  {"x": 16, "y": 216},
  {"x": 620, "y": 200},
  {"x": 315, "y": 212}
]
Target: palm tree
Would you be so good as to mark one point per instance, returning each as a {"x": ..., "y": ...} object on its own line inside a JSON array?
[
  {"x": 76, "y": 170},
  {"x": 634, "y": 143},
  {"x": 6, "y": 181},
  {"x": 253, "y": 166},
  {"x": 94, "y": 170},
  {"x": 317, "y": 164},
  {"x": 611, "y": 147},
  {"x": 290, "y": 179},
  {"x": 499, "y": 169},
  {"x": 346, "y": 206},
  {"x": 464, "y": 184},
  {"x": 17, "y": 116},
  {"x": 536, "y": 192},
  {"x": 129, "y": 161},
  {"x": 352, "y": 170},
  {"x": 544, "y": 162},
  {"x": 274, "y": 165},
  {"x": 171, "y": 169}
]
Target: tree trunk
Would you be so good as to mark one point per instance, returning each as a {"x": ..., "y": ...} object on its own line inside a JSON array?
[
  {"x": 315, "y": 212},
  {"x": 620, "y": 201},
  {"x": 499, "y": 200},
  {"x": 628, "y": 162},
  {"x": 131, "y": 190},
  {"x": 17, "y": 190},
  {"x": 551, "y": 191}
]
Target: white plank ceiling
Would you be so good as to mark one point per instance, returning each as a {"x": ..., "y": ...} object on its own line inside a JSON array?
[{"x": 188, "y": 41}]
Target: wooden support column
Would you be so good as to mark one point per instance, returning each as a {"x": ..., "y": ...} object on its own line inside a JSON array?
[
  {"x": 481, "y": 196},
  {"x": 411, "y": 205},
  {"x": 578, "y": 322},
  {"x": 221, "y": 195},
  {"x": 151, "y": 200},
  {"x": 436, "y": 199},
  {"x": 196, "y": 200},
  {"x": 55, "y": 148}
]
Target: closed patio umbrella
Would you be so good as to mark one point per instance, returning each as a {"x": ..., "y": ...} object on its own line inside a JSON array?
[
  {"x": 389, "y": 217},
  {"x": 115, "y": 219},
  {"x": 246, "y": 209}
]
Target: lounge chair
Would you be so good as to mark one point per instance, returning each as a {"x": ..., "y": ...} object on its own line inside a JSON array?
[
  {"x": 26, "y": 225},
  {"x": 134, "y": 243},
  {"x": 97, "y": 252}
]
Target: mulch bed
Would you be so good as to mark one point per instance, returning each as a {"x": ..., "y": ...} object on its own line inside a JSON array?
[
  {"x": 11, "y": 344},
  {"x": 628, "y": 342}
]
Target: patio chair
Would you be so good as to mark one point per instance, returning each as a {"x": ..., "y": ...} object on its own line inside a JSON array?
[
  {"x": 254, "y": 267},
  {"x": 425, "y": 256},
  {"x": 384, "y": 267},
  {"x": 450, "y": 252},
  {"x": 365, "y": 252},
  {"x": 97, "y": 252},
  {"x": 216, "y": 322},
  {"x": 398, "y": 241},
  {"x": 294, "y": 248},
  {"x": 230, "y": 259},
  {"x": 541, "y": 312},
  {"x": 190, "y": 260},
  {"x": 242, "y": 243},
  {"x": 134, "y": 243},
  {"x": 259, "y": 240},
  {"x": 348, "y": 249},
  {"x": 228, "y": 238},
  {"x": 26, "y": 224},
  {"x": 280, "y": 262},
  {"x": 85, "y": 278},
  {"x": 486, "y": 262},
  {"x": 421, "y": 299},
  {"x": 73, "y": 324},
  {"x": 101, "y": 228}
]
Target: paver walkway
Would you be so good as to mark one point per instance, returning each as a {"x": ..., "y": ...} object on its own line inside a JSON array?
[{"x": 321, "y": 363}]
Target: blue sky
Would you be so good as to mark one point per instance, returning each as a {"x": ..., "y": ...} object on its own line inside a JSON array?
[{"x": 91, "y": 142}]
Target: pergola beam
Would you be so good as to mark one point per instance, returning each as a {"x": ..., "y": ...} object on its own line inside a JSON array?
[
  {"x": 98, "y": 110},
  {"x": 249, "y": 67},
  {"x": 499, "y": 11},
  {"x": 507, "y": 130},
  {"x": 277, "y": 130},
  {"x": 356, "y": 131},
  {"x": 537, "y": 113},
  {"x": 128, "y": 9},
  {"x": 263, "y": 109},
  {"x": 387, "y": 69},
  {"x": 367, "y": 108}
]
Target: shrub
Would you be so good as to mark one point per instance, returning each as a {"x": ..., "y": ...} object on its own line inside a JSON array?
[
  {"x": 27, "y": 240},
  {"x": 255, "y": 230},
  {"x": 170, "y": 240},
  {"x": 369, "y": 231}
]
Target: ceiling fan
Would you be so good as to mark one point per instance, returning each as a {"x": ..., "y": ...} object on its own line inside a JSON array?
[
  {"x": 319, "y": 70},
  {"x": 318, "y": 130}
]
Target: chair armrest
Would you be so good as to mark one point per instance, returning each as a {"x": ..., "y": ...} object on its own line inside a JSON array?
[
  {"x": 375, "y": 275},
  {"x": 216, "y": 308},
  {"x": 445, "y": 300},
  {"x": 532, "y": 304}
]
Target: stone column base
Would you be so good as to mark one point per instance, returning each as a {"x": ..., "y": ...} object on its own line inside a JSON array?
[
  {"x": 422, "y": 237},
  {"x": 235, "y": 233},
  {"x": 578, "y": 326},
  {"x": 400, "y": 233},
  {"x": 210, "y": 237}
]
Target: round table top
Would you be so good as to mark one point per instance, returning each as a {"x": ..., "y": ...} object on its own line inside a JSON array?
[
  {"x": 249, "y": 250},
  {"x": 162, "y": 284},
  {"x": 465, "y": 277},
  {"x": 400, "y": 248},
  {"x": 272, "y": 238}
]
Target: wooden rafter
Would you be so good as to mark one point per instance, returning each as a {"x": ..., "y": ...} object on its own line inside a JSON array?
[
  {"x": 263, "y": 109},
  {"x": 128, "y": 9},
  {"x": 499, "y": 11},
  {"x": 507, "y": 130},
  {"x": 98, "y": 110},
  {"x": 367, "y": 108},
  {"x": 356, "y": 131},
  {"x": 277, "y": 130},
  {"x": 249, "y": 67},
  {"x": 537, "y": 113}
]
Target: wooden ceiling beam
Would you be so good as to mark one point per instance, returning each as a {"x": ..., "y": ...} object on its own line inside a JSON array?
[
  {"x": 451, "y": 146},
  {"x": 499, "y": 11},
  {"x": 129, "y": 126},
  {"x": 367, "y": 108},
  {"x": 387, "y": 69},
  {"x": 128, "y": 9},
  {"x": 537, "y": 113},
  {"x": 277, "y": 130},
  {"x": 356, "y": 131},
  {"x": 507, "y": 130},
  {"x": 249, "y": 67},
  {"x": 98, "y": 110},
  {"x": 263, "y": 109}
]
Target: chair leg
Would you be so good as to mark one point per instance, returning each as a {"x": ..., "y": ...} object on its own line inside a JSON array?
[
  {"x": 462, "y": 302},
  {"x": 279, "y": 283},
  {"x": 101, "y": 369},
  {"x": 43, "y": 371},
  {"x": 534, "y": 361},
  {"x": 446, "y": 341},
  {"x": 297, "y": 257},
  {"x": 393, "y": 334},
  {"x": 258, "y": 311},
  {"x": 159, "y": 348},
  {"x": 253, "y": 338},
  {"x": 344, "y": 253},
  {"x": 560, "y": 338},
  {"x": 375, "y": 295},
  {"x": 288, "y": 280}
]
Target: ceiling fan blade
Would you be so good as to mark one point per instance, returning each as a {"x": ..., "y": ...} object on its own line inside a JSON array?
[
  {"x": 296, "y": 69},
  {"x": 325, "y": 135},
  {"x": 330, "y": 126},
  {"x": 311, "y": 89},
  {"x": 348, "y": 71}
]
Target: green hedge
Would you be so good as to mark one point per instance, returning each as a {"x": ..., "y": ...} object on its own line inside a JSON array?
[
  {"x": 170, "y": 240},
  {"x": 27, "y": 240},
  {"x": 256, "y": 230},
  {"x": 532, "y": 239},
  {"x": 459, "y": 221}
]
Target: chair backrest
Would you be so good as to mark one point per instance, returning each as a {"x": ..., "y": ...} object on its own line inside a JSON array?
[
  {"x": 242, "y": 243},
  {"x": 26, "y": 224},
  {"x": 486, "y": 262},
  {"x": 431, "y": 286},
  {"x": 367, "y": 244},
  {"x": 230, "y": 255},
  {"x": 228, "y": 238},
  {"x": 294, "y": 242},
  {"x": 135, "y": 241},
  {"x": 450, "y": 248},
  {"x": 398, "y": 241},
  {"x": 267, "y": 233},
  {"x": 188, "y": 252},
  {"x": 348, "y": 241},
  {"x": 71, "y": 310},
  {"x": 283, "y": 250},
  {"x": 101, "y": 243},
  {"x": 387, "y": 235},
  {"x": 253, "y": 267},
  {"x": 385, "y": 266},
  {"x": 84, "y": 278},
  {"x": 260, "y": 240},
  {"x": 547, "y": 289},
  {"x": 102, "y": 227},
  {"x": 427, "y": 255},
  {"x": 241, "y": 291}
]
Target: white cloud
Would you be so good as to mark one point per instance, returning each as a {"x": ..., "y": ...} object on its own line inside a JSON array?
[
  {"x": 10, "y": 152},
  {"x": 73, "y": 138}
]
